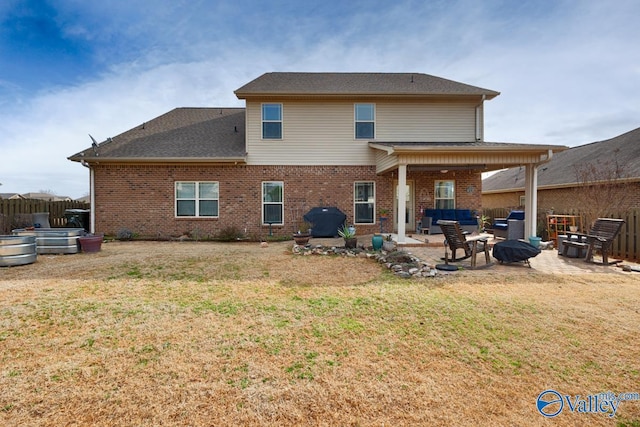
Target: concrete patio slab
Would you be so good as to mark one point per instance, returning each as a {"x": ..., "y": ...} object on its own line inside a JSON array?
[{"x": 547, "y": 262}]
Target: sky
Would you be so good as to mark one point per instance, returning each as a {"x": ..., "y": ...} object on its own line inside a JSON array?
[{"x": 568, "y": 71}]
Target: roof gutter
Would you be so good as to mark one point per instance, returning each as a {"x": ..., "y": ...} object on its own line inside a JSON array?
[
  {"x": 390, "y": 148},
  {"x": 90, "y": 160}
]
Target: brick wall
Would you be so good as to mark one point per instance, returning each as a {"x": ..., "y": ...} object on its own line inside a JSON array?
[
  {"x": 468, "y": 186},
  {"x": 140, "y": 198},
  {"x": 509, "y": 200},
  {"x": 562, "y": 200}
]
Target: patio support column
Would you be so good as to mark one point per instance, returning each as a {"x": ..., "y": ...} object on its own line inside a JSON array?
[
  {"x": 402, "y": 202},
  {"x": 530, "y": 199}
]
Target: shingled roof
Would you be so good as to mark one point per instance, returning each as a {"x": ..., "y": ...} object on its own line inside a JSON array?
[
  {"x": 358, "y": 84},
  {"x": 561, "y": 170},
  {"x": 183, "y": 134}
]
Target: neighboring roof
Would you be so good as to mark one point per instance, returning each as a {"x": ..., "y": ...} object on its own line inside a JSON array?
[
  {"x": 358, "y": 84},
  {"x": 182, "y": 134},
  {"x": 10, "y": 196},
  {"x": 560, "y": 171},
  {"x": 46, "y": 196}
]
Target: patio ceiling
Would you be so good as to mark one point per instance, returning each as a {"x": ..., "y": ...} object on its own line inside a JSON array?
[{"x": 483, "y": 156}]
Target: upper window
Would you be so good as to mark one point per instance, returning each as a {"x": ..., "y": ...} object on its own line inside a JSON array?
[
  {"x": 197, "y": 199},
  {"x": 364, "y": 202},
  {"x": 272, "y": 121},
  {"x": 365, "y": 120},
  {"x": 445, "y": 195},
  {"x": 272, "y": 202}
]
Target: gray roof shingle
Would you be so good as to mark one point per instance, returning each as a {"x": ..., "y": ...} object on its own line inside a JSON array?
[
  {"x": 183, "y": 133},
  {"x": 561, "y": 170},
  {"x": 365, "y": 84}
]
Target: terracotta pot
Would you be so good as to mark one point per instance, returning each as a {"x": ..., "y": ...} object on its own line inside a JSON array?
[
  {"x": 91, "y": 243},
  {"x": 301, "y": 239}
]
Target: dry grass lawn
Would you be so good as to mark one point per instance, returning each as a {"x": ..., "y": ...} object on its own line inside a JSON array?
[{"x": 170, "y": 333}]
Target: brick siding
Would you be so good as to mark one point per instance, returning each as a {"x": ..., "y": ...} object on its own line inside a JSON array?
[
  {"x": 561, "y": 200},
  {"x": 140, "y": 198}
]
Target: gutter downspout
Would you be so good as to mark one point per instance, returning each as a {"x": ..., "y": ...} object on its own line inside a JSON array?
[
  {"x": 92, "y": 200},
  {"x": 479, "y": 137},
  {"x": 92, "y": 197}
]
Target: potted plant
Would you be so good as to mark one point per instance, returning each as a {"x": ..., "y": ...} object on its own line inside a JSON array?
[
  {"x": 383, "y": 213},
  {"x": 349, "y": 236},
  {"x": 302, "y": 236},
  {"x": 376, "y": 242},
  {"x": 483, "y": 221},
  {"x": 388, "y": 244}
]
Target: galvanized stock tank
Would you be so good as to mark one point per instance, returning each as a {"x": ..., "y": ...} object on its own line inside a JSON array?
[
  {"x": 17, "y": 250},
  {"x": 54, "y": 240}
]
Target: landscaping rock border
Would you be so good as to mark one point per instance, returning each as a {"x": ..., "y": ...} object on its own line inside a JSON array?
[{"x": 402, "y": 264}]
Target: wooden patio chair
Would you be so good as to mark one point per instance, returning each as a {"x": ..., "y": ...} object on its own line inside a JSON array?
[
  {"x": 456, "y": 239},
  {"x": 600, "y": 237}
]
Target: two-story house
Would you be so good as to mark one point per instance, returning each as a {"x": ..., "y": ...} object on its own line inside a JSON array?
[{"x": 304, "y": 140}]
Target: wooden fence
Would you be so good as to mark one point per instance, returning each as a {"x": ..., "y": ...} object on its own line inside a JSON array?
[
  {"x": 18, "y": 213},
  {"x": 626, "y": 246}
]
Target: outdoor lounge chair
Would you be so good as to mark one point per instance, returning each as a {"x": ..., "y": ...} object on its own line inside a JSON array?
[
  {"x": 456, "y": 239},
  {"x": 600, "y": 237},
  {"x": 511, "y": 227}
]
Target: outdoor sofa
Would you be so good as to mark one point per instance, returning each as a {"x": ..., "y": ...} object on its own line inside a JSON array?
[{"x": 466, "y": 220}]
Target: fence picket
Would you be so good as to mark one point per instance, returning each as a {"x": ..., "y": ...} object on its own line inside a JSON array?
[{"x": 13, "y": 212}]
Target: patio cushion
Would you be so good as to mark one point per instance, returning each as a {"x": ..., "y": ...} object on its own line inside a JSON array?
[
  {"x": 431, "y": 213},
  {"x": 449, "y": 214},
  {"x": 503, "y": 224},
  {"x": 463, "y": 214},
  {"x": 516, "y": 215}
]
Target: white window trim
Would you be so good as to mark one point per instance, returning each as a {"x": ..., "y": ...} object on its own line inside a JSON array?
[
  {"x": 262, "y": 202},
  {"x": 262, "y": 121},
  {"x": 196, "y": 198},
  {"x": 435, "y": 186},
  {"x": 355, "y": 203},
  {"x": 355, "y": 121}
]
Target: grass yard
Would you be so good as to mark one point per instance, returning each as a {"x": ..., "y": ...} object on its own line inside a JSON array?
[{"x": 171, "y": 333}]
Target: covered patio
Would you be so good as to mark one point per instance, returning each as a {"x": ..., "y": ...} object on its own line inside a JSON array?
[{"x": 403, "y": 158}]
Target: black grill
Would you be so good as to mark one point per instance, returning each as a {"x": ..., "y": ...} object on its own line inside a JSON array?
[{"x": 326, "y": 221}]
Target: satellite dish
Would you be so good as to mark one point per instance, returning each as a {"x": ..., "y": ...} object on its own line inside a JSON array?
[{"x": 94, "y": 144}]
